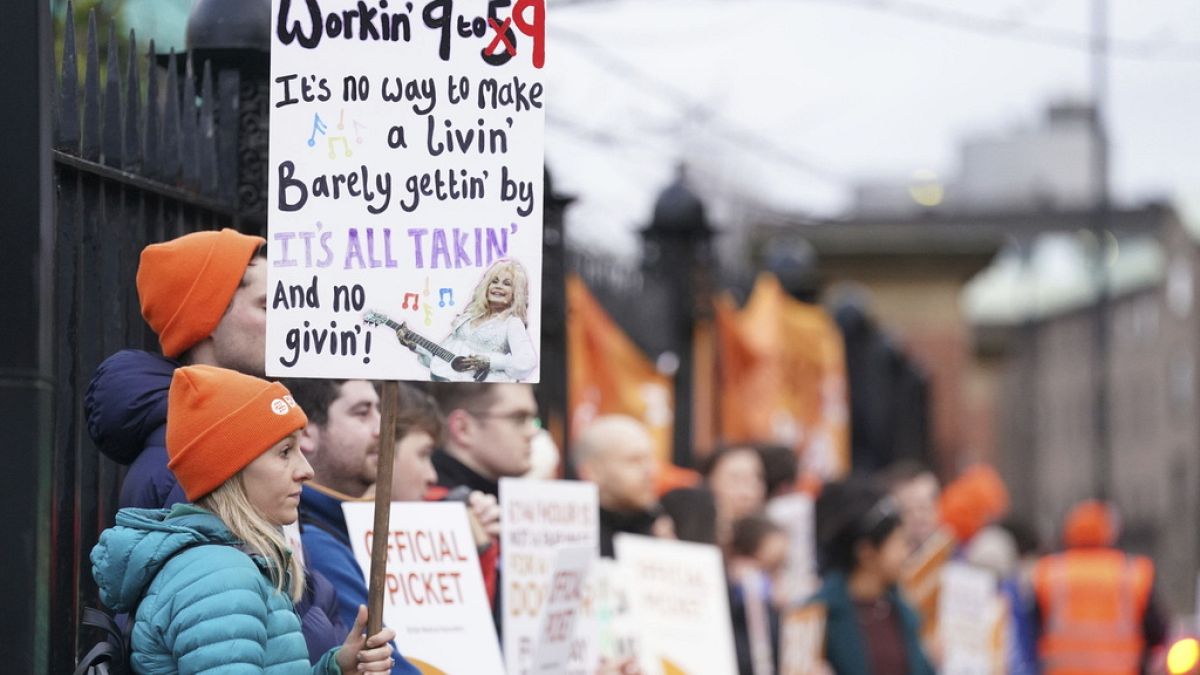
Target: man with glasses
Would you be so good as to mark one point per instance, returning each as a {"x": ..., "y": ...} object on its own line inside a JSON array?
[
  {"x": 488, "y": 436},
  {"x": 489, "y": 433}
]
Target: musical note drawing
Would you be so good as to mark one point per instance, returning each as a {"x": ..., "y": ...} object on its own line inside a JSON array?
[
  {"x": 426, "y": 293},
  {"x": 342, "y": 120},
  {"x": 442, "y": 294},
  {"x": 357, "y": 133},
  {"x": 317, "y": 128},
  {"x": 428, "y": 315},
  {"x": 416, "y": 301},
  {"x": 345, "y": 146}
]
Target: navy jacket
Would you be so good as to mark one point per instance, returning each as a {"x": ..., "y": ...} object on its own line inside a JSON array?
[
  {"x": 327, "y": 550},
  {"x": 126, "y": 408}
]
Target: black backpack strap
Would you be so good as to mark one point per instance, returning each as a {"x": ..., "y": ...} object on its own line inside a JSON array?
[
  {"x": 96, "y": 661},
  {"x": 94, "y": 618},
  {"x": 106, "y": 656},
  {"x": 111, "y": 656}
]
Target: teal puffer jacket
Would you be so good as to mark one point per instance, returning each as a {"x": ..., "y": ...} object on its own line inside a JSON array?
[{"x": 205, "y": 605}]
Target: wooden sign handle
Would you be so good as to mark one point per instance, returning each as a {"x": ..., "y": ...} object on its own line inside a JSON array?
[{"x": 389, "y": 402}]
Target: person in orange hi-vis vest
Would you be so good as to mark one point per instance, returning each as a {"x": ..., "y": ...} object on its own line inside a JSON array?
[{"x": 1095, "y": 610}]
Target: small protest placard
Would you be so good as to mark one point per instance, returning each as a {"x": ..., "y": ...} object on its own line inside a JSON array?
[
  {"x": 291, "y": 534},
  {"x": 971, "y": 617},
  {"x": 404, "y": 189},
  {"x": 794, "y": 513},
  {"x": 802, "y": 641},
  {"x": 679, "y": 600},
  {"x": 538, "y": 519},
  {"x": 562, "y": 611},
  {"x": 435, "y": 599},
  {"x": 610, "y": 616}
]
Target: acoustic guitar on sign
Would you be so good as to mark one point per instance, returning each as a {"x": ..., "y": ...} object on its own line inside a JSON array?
[{"x": 459, "y": 368}]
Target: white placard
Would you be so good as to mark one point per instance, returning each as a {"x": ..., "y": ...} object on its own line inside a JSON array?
[
  {"x": 539, "y": 518},
  {"x": 969, "y": 609},
  {"x": 406, "y": 160},
  {"x": 794, "y": 513},
  {"x": 679, "y": 600},
  {"x": 610, "y": 616},
  {"x": 562, "y": 611},
  {"x": 291, "y": 534},
  {"x": 434, "y": 596},
  {"x": 802, "y": 641}
]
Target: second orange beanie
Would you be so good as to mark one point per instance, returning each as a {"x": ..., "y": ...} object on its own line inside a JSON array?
[{"x": 974, "y": 500}]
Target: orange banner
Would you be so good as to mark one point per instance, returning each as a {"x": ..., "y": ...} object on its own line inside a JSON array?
[
  {"x": 783, "y": 377},
  {"x": 608, "y": 374}
]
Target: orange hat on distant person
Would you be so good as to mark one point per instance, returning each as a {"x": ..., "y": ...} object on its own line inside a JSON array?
[
  {"x": 673, "y": 477},
  {"x": 185, "y": 285},
  {"x": 974, "y": 500},
  {"x": 220, "y": 420},
  {"x": 1090, "y": 524}
]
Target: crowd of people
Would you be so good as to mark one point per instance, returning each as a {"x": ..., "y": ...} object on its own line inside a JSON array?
[{"x": 220, "y": 460}]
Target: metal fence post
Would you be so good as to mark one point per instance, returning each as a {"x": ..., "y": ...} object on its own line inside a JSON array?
[
  {"x": 26, "y": 377},
  {"x": 678, "y": 258}
]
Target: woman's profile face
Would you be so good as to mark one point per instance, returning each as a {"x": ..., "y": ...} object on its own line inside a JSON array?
[
  {"x": 273, "y": 480},
  {"x": 893, "y": 552},
  {"x": 500, "y": 288}
]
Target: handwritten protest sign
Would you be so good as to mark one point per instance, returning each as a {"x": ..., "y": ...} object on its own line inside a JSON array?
[
  {"x": 538, "y": 519},
  {"x": 609, "y": 615},
  {"x": 795, "y": 514},
  {"x": 678, "y": 596},
  {"x": 802, "y": 641},
  {"x": 405, "y": 189},
  {"x": 563, "y": 610},
  {"x": 435, "y": 599},
  {"x": 971, "y": 616},
  {"x": 291, "y": 534}
]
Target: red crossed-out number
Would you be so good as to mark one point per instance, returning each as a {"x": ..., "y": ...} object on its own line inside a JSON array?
[{"x": 501, "y": 37}]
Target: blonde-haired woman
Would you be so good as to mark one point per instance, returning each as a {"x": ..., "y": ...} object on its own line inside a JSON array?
[
  {"x": 491, "y": 333},
  {"x": 209, "y": 586}
]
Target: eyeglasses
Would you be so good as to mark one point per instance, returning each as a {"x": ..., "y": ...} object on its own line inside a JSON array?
[{"x": 520, "y": 419}]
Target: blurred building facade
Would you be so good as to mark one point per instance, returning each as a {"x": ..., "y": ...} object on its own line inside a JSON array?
[
  {"x": 988, "y": 279},
  {"x": 1041, "y": 354}
]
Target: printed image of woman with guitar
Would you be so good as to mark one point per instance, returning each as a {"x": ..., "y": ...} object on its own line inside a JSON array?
[{"x": 488, "y": 340}]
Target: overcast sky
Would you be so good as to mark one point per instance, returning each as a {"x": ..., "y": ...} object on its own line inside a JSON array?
[{"x": 787, "y": 103}]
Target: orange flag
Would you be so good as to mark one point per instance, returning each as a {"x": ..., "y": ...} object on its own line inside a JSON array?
[
  {"x": 783, "y": 377},
  {"x": 608, "y": 374}
]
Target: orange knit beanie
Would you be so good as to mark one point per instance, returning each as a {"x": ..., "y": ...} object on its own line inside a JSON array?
[
  {"x": 974, "y": 500},
  {"x": 219, "y": 420},
  {"x": 185, "y": 285}
]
